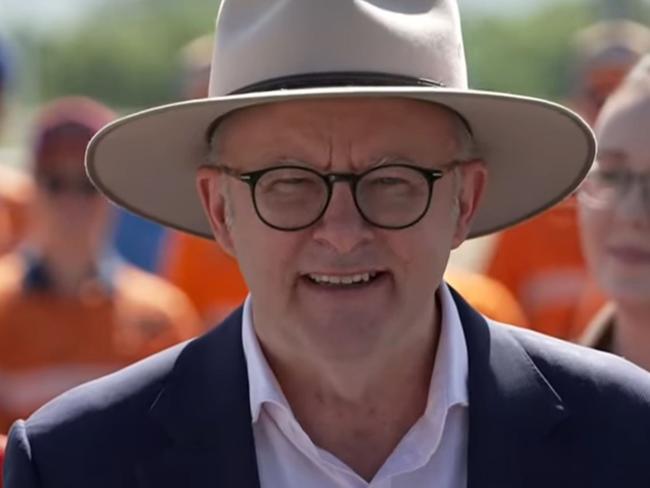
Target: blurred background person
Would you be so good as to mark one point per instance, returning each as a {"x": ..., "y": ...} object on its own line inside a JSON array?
[
  {"x": 614, "y": 204},
  {"x": 548, "y": 276},
  {"x": 603, "y": 55},
  {"x": 197, "y": 265},
  {"x": 70, "y": 308},
  {"x": 15, "y": 187}
]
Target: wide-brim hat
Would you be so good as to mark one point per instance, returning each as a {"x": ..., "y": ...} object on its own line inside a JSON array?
[{"x": 273, "y": 51}]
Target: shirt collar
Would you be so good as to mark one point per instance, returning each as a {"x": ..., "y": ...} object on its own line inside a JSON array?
[
  {"x": 449, "y": 379},
  {"x": 37, "y": 277},
  {"x": 263, "y": 385}
]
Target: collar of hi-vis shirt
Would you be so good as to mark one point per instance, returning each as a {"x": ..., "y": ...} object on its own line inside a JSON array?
[
  {"x": 448, "y": 389},
  {"x": 37, "y": 277}
]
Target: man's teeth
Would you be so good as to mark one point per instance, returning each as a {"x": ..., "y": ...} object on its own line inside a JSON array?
[{"x": 343, "y": 280}]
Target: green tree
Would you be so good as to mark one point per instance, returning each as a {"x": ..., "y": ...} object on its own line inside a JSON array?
[{"x": 124, "y": 52}]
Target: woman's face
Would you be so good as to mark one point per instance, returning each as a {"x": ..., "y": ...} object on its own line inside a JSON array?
[{"x": 615, "y": 203}]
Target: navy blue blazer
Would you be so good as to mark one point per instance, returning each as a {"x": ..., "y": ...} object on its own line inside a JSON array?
[{"x": 543, "y": 413}]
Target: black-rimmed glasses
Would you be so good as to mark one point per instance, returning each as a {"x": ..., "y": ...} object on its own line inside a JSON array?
[{"x": 291, "y": 198}]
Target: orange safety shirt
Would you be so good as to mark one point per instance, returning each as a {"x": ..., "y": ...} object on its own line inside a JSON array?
[
  {"x": 488, "y": 296},
  {"x": 50, "y": 342},
  {"x": 540, "y": 261},
  {"x": 16, "y": 190},
  {"x": 209, "y": 277}
]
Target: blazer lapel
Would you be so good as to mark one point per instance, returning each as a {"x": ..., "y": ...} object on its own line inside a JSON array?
[
  {"x": 205, "y": 411},
  {"x": 512, "y": 407}
]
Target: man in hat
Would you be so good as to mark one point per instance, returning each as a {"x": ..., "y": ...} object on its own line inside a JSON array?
[
  {"x": 340, "y": 158},
  {"x": 70, "y": 309},
  {"x": 211, "y": 278}
]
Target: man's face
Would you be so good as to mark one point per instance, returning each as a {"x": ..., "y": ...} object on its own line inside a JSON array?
[
  {"x": 616, "y": 235},
  {"x": 291, "y": 309},
  {"x": 68, "y": 210}
]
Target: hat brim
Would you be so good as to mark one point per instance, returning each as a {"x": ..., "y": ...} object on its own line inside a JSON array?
[{"x": 537, "y": 152}]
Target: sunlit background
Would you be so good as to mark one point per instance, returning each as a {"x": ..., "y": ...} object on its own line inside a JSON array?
[{"x": 123, "y": 51}]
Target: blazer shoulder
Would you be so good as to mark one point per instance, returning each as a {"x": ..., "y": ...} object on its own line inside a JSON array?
[
  {"x": 578, "y": 372},
  {"x": 107, "y": 400}
]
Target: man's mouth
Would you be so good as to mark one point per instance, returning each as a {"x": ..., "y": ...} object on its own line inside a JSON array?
[{"x": 343, "y": 280}]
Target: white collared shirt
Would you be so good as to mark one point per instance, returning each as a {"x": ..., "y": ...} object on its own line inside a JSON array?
[{"x": 432, "y": 453}]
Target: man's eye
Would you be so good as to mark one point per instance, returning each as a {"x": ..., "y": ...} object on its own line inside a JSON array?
[{"x": 291, "y": 185}]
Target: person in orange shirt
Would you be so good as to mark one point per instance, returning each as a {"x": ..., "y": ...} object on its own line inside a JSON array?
[
  {"x": 16, "y": 192},
  {"x": 70, "y": 309},
  {"x": 488, "y": 296},
  {"x": 15, "y": 186},
  {"x": 198, "y": 266},
  {"x": 540, "y": 261}
]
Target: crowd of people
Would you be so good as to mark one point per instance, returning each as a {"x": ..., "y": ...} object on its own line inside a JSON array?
[{"x": 87, "y": 289}]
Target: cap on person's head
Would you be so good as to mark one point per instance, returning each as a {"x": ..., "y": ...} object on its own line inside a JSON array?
[
  {"x": 610, "y": 45},
  {"x": 195, "y": 61},
  {"x": 632, "y": 96},
  {"x": 70, "y": 116}
]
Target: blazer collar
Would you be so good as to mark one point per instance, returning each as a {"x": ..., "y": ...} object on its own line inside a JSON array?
[
  {"x": 512, "y": 407},
  {"x": 204, "y": 409}
]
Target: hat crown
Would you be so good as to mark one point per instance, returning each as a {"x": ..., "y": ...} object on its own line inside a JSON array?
[{"x": 260, "y": 40}]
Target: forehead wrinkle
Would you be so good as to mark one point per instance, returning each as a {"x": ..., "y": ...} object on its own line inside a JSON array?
[
  {"x": 344, "y": 132},
  {"x": 263, "y": 143}
]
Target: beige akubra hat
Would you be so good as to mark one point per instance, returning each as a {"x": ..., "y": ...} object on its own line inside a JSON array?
[{"x": 270, "y": 51}]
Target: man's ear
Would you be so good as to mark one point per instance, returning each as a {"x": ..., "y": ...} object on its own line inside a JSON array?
[
  {"x": 209, "y": 184},
  {"x": 472, "y": 187}
]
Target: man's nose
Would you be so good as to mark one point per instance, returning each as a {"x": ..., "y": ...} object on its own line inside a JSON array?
[{"x": 342, "y": 227}]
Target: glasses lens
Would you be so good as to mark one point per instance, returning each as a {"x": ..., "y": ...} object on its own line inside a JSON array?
[
  {"x": 393, "y": 196},
  {"x": 290, "y": 198}
]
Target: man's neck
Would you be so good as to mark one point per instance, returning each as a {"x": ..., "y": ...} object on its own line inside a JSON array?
[{"x": 360, "y": 412}]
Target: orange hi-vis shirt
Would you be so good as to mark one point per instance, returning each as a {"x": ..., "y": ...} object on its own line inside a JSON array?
[
  {"x": 16, "y": 190},
  {"x": 209, "y": 276},
  {"x": 212, "y": 280},
  {"x": 540, "y": 261},
  {"x": 50, "y": 343},
  {"x": 488, "y": 296}
]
